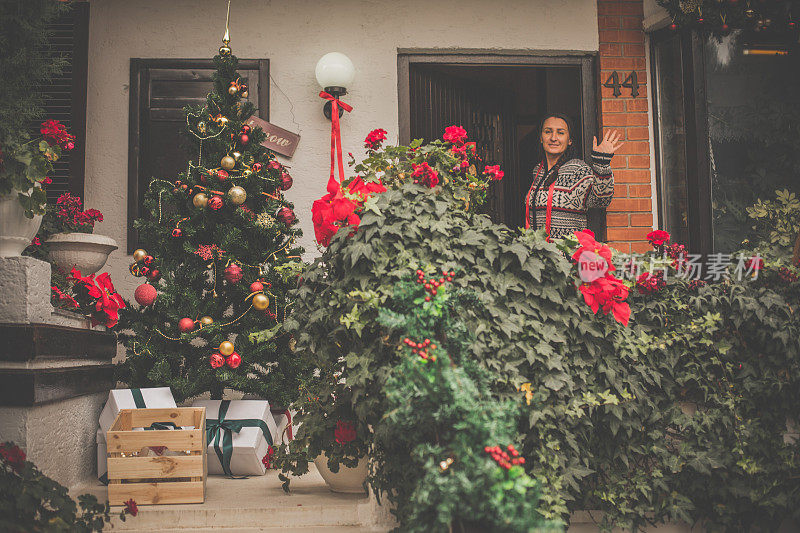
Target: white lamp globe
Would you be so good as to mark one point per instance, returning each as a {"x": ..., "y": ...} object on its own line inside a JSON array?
[{"x": 335, "y": 69}]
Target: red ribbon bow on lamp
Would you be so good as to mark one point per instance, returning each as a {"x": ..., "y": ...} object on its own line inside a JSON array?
[{"x": 336, "y": 140}]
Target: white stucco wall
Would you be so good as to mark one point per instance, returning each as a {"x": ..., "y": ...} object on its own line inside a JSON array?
[{"x": 294, "y": 34}]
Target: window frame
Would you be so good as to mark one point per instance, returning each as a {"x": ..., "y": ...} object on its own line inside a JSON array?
[
  {"x": 697, "y": 148},
  {"x": 139, "y": 80}
]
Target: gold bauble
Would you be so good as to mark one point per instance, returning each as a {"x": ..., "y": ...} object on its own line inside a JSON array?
[
  {"x": 206, "y": 321},
  {"x": 232, "y": 90},
  {"x": 139, "y": 254},
  {"x": 245, "y": 94},
  {"x": 260, "y": 302},
  {"x": 247, "y": 172},
  {"x": 226, "y": 348},
  {"x": 225, "y": 50},
  {"x": 221, "y": 121},
  {"x": 236, "y": 156},
  {"x": 227, "y": 162},
  {"x": 200, "y": 199},
  {"x": 292, "y": 344},
  {"x": 201, "y": 127},
  {"x": 237, "y": 195}
]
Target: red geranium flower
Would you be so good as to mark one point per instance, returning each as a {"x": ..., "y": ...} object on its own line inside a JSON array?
[
  {"x": 56, "y": 133},
  {"x": 755, "y": 263},
  {"x": 455, "y": 134},
  {"x": 425, "y": 175},
  {"x": 648, "y": 283},
  {"x": 374, "y": 139},
  {"x": 494, "y": 171},
  {"x": 658, "y": 237},
  {"x": 345, "y": 432},
  {"x": 45, "y": 182},
  {"x": 13, "y": 455}
]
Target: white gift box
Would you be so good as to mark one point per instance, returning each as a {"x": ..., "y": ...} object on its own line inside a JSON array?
[
  {"x": 118, "y": 399},
  {"x": 250, "y": 444},
  {"x": 283, "y": 421}
]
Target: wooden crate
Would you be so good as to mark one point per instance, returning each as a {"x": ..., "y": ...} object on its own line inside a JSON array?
[{"x": 157, "y": 479}]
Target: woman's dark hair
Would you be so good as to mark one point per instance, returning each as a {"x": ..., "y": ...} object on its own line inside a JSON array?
[{"x": 569, "y": 153}]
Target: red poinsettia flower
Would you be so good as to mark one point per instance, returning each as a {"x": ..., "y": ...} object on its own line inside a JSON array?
[
  {"x": 60, "y": 296},
  {"x": 658, "y": 237},
  {"x": 13, "y": 455},
  {"x": 131, "y": 508},
  {"x": 267, "y": 459},
  {"x": 365, "y": 188},
  {"x": 494, "y": 172},
  {"x": 345, "y": 432},
  {"x": 588, "y": 243},
  {"x": 108, "y": 301},
  {"x": 425, "y": 175},
  {"x": 755, "y": 263},
  {"x": 607, "y": 294},
  {"x": 455, "y": 134},
  {"x": 374, "y": 139},
  {"x": 331, "y": 212}
]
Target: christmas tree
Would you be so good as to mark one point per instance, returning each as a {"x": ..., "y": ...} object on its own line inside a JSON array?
[{"x": 218, "y": 256}]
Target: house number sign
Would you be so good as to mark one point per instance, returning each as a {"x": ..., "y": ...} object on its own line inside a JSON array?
[{"x": 630, "y": 82}]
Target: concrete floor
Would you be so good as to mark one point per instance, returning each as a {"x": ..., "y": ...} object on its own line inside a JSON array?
[{"x": 257, "y": 503}]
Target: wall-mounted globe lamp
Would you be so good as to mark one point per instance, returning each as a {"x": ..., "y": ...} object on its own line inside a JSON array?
[{"x": 335, "y": 73}]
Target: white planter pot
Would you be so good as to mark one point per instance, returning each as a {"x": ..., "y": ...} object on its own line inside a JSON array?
[
  {"x": 349, "y": 480},
  {"x": 85, "y": 251},
  {"x": 16, "y": 230}
]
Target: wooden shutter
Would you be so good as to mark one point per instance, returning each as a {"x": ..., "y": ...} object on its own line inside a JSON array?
[
  {"x": 65, "y": 97},
  {"x": 158, "y": 144}
]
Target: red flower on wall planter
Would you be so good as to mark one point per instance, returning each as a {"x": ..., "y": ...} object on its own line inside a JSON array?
[
  {"x": 13, "y": 455},
  {"x": 455, "y": 135},
  {"x": 345, "y": 432}
]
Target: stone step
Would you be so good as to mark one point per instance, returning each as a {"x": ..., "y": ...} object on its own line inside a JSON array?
[{"x": 257, "y": 503}]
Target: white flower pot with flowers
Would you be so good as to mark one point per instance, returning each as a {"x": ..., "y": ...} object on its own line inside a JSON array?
[
  {"x": 24, "y": 166},
  {"x": 68, "y": 239}
]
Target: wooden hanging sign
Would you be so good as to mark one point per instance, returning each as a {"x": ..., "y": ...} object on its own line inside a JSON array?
[{"x": 278, "y": 140}]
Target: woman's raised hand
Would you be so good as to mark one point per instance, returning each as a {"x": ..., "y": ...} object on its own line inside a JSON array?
[{"x": 611, "y": 142}]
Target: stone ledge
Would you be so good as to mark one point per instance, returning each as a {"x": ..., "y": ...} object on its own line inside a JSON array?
[
  {"x": 31, "y": 387},
  {"x": 27, "y": 342}
]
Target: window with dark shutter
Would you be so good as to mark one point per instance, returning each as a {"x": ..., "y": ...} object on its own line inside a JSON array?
[
  {"x": 158, "y": 146},
  {"x": 65, "y": 96}
]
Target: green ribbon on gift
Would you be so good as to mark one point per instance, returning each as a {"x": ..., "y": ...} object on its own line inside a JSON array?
[
  {"x": 138, "y": 400},
  {"x": 219, "y": 432}
]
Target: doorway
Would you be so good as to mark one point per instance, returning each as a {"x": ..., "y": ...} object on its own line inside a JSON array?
[{"x": 500, "y": 100}]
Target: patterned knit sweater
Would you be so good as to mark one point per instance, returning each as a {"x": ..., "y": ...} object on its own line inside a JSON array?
[{"x": 578, "y": 187}]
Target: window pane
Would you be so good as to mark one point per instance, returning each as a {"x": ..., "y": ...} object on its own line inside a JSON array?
[
  {"x": 672, "y": 139},
  {"x": 753, "y": 116}
]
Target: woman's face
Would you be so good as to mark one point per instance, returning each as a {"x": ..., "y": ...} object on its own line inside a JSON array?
[{"x": 555, "y": 136}]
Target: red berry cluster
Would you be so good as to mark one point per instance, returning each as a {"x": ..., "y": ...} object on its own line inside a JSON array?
[
  {"x": 787, "y": 275},
  {"x": 421, "y": 348},
  {"x": 431, "y": 285},
  {"x": 695, "y": 284},
  {"x": 506, "y": 459}
]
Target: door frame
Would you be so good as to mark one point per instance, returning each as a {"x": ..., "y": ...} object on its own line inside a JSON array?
[{"x": 586, "y": 60}]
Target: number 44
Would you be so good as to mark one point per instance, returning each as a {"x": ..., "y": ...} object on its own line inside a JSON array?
[{"x": 631, "y": 82}]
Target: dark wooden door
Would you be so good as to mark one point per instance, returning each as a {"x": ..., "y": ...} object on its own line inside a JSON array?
[{"x": 439, "y": 100}]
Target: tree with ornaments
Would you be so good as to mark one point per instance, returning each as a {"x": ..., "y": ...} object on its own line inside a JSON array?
[{"x": 218, "y": 256}]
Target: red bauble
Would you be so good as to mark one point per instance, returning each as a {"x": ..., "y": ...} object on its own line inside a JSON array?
[
  {"x": 148, "y": 260},
  {"x": 256, "y": 286},
  {"x": 177, "y": 233},
  {"x": 222, "y": 175},
  {"x": 286, "y": 216},
  {"x": 154, "y": 275},
  {"x": 215, "y": 203},
  {"x": 244, "y": 139},
  {"x": 145, "y": 294},
  {"x": 245, "y": 129},
  {"x": 274, "y": 164},
  {"x": 144, "y": 271},
  {"x": 257, "y": 167},
  {"x": 216, "y": 360},
  {"x": 186, "y": 325},
  {"x": 233, "y": 273},
  {"x": 233, "y": 360},
  {"x": 286, "y": 181}
]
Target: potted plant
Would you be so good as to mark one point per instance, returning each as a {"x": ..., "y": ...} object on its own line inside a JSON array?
[
  {"x": 68, "y": 238},
  {"x": 24, "y": 166}
]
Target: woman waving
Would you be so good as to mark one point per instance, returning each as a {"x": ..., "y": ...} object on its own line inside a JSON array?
[{"x": 564, "y": 187}]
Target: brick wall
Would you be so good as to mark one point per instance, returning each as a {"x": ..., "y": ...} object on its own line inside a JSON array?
[{"x": 630, "y": 215}]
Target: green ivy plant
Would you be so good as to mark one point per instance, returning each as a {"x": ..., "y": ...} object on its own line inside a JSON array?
[{"x": 31, "y": 501}]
